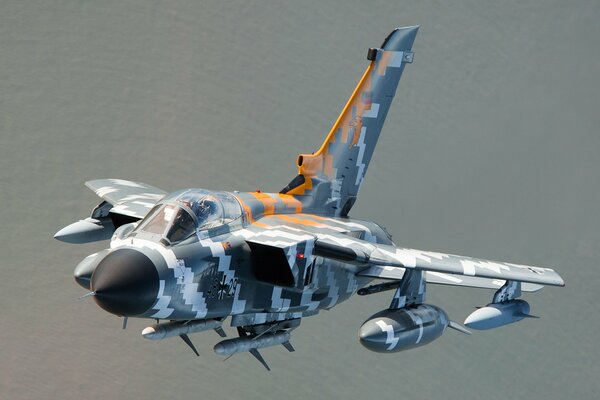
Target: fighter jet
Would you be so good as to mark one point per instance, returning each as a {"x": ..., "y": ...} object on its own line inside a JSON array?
[{"x": 194, "y": 258}]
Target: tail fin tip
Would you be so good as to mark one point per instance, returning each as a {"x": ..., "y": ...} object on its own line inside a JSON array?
[{"x": 401, "y": 38}]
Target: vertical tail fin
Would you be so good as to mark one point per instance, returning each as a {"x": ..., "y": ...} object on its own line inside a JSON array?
[{"x": 329, "y": 179}]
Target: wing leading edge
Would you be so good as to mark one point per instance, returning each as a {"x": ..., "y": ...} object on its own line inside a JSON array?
[
  {"x": 124, "y": 202},
  {"x": 131, "y": 199},
  {"x": 357, "y": 251},
  {"x": 441, "y": 278},
  {"x": 333, "y": 240}
]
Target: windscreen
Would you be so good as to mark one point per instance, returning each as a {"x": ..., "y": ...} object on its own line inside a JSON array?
[
  {"x": 171, "y": 221},
  {"x": 185, "y": 212}
]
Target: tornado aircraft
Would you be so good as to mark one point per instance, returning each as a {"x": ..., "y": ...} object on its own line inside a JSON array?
[{"x": 190, "y": 260}]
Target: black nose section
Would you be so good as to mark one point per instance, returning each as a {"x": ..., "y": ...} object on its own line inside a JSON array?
[{"x": 125, "y": 283}]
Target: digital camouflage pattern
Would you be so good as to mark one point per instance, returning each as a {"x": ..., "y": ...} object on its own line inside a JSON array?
[{"x": 266, "y": 260}]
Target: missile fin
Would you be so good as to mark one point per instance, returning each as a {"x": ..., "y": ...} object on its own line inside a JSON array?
[
  {"x": 458, "y": 327},
  {"x": 289, "y": 347},
  {"x": 260, "y": 358},
  {"x": 523, "y": 315},
  {"x": 220, "y": 332},
  {"x": 187, "y": 341}
]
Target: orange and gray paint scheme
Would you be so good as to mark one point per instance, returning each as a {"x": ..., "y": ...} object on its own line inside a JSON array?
[
  {"x": 192, "y": 258},
  {"x": 329, "y": 179}
]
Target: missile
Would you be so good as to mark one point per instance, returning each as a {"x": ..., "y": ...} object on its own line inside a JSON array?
[
  {"x": 497, "y": 314},
  {"x": 390, "y": 331},
  {"x": 85, "y": 231},
  {"x": 84, "y": 270},
  {"x": 378, "y": 288},
  {"x": 179, "y": 328},
  {"x": 250, "y": 343}
]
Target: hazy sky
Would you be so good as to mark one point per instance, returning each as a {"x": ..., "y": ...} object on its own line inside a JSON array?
[{"x": 491, "y": 149}]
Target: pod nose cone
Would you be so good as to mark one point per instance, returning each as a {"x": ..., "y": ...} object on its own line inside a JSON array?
[
  {"x": 125, "y": 283},
  {"x": 373, "y": 336}
]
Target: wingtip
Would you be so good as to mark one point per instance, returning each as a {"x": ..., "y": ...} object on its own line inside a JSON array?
[{"x": 557, "y": 280}]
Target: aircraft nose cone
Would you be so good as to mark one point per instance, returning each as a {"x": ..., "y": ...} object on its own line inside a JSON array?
[{"x": 125, "y": 283}]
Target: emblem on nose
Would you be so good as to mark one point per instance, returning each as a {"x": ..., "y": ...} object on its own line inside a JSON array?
[{"x": 125, "y": 283}]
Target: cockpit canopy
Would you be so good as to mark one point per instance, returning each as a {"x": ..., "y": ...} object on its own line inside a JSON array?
[{"x": 183, "y": 213}]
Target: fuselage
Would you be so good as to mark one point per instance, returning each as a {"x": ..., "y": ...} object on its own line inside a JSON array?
[{"x": 212, "y": 273}]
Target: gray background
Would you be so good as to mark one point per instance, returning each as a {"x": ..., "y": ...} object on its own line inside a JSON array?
[{"x": 490, "y": 149}]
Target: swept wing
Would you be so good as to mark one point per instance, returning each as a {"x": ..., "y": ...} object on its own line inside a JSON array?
[
  {"x": 131, "y": 199},
  {"x": 333, "y": 242},
  {"x": 359, "y": 251}
]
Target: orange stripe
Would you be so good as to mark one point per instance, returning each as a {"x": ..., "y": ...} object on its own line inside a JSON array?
[
  {"x": 328, "y": 165},
  {"x": 335, "y": 126},
  {"x": 267, "y": 201},
  {"x": 247, "y": 211},
  {"x": 322, "y": 160},
  {"x": 291, "y": 202},
  {"x": 301, "y": 221}
]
